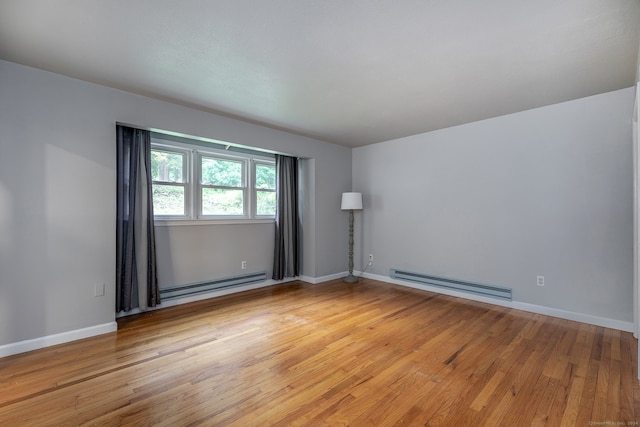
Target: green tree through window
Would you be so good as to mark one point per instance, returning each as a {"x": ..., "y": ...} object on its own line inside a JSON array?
[
  {"x": 167, "y": 173},
  {"x": 222, "y": 183}
]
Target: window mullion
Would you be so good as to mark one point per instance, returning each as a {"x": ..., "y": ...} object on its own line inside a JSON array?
[
  {"x": 192, "y": 184},
  {"x": 248, "y": 188}
]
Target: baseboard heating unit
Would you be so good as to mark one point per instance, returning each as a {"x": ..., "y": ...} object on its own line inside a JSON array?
[
  {"x": 453, "y": 284},
  {"x": 211, "y": 285}
]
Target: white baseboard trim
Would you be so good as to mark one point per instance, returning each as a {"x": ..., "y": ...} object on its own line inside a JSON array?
[
  {"x": 51, "y": 340},
  {"x": 207, "y": 295},
  {"x": 532, "y": 308},
  {"x": 61, "y": 338},
  {"x": 316, "y": 280}
]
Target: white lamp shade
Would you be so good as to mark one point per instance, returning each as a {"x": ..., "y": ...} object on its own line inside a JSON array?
[{"x": 351, "y": 201}]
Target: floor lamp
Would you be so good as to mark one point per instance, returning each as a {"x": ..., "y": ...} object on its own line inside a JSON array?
[{"x": 351, "y": 202}]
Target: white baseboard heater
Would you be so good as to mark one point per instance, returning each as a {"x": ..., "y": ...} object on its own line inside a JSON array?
[
  {"x": 211, "y": 285},
  {"x": 453, "y": 284}
]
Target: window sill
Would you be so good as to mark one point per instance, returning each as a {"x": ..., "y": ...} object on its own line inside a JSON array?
[{"x": 180, "y": 222}]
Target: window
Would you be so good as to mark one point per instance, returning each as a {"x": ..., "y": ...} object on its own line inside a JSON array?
[
  {"x": 201, "y": 183},
  {"x": 265, "y": 189},
  {"x": 222, "y": 186},
  {"x": 168, "y": 173}
]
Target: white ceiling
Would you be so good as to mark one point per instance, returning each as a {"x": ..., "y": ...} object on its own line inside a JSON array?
[{"x": 352, "y": 72}]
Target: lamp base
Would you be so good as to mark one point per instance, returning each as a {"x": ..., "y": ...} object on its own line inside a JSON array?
[{"x": 350, "y": 279}]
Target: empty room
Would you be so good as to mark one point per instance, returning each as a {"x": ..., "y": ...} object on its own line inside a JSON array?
[{"x": 319, "y": 213}]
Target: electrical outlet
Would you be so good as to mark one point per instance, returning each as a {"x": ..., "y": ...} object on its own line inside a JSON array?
[
  {"x": 244, "y": 265},
  {"x": 98, "y": 290},
  {"x": 540, "y": 281},
  {"x": 371, "y": 258}
]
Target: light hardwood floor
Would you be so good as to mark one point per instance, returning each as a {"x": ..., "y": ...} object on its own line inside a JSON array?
[{"x": 329, "y": 355}]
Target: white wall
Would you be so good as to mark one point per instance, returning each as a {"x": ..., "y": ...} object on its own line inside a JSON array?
[
  {"x": 542, "y": 192},
  {"x": 57, "y": 201}
]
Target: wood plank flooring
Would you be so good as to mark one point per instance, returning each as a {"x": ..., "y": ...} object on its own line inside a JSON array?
[{"x": 369, "y": 354}]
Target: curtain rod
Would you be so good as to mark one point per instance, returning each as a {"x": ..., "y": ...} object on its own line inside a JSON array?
[{"x": 226, "y": 145}]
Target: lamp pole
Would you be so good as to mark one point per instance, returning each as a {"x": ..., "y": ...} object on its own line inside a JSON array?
[
  {"x": 350, "y": 278},
  {"x": 351, "y": 201}
]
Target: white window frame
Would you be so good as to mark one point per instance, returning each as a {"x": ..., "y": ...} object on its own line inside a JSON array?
[
  {"x": 254, "y": 190},
  {"x": 186, "y": 183},
  {"x": 193, "y": 186},
  {"x": 244, "y": 185}
]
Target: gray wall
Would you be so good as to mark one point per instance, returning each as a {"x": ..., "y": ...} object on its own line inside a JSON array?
[
  {"x": 196, "y": 253},
  {"x": 638, "y": 67},
  {"x": 57, "y": 201},
  {"x": 542, "y": 192}
]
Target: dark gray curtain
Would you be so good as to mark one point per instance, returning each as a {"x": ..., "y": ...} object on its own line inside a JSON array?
[
  {"x": 286, "y": 258},
  {"x": 136, "y": 276}
]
